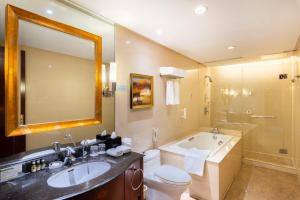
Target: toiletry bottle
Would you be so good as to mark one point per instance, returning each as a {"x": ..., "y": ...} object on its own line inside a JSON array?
[
  {"x": 38, "y": 165},
  {"x": 26, "y": 167},
  {"x": 43, "y": 164},
  {"x": 33, "y": 167}
]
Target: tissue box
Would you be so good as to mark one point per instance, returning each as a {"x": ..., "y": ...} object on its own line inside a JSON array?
[
  {"x": 100, "y": 137},
  {"x": 109, "y": 142},
  {"x": 113, "y": 143},
  {"x": 117, "y": 141}
]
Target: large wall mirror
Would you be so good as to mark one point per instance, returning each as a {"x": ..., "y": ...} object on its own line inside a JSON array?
[{"x": 56, "y": 85}]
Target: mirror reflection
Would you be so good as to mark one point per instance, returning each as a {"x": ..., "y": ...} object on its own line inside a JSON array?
[
  {"x": 46, "y": 58},
  {"x": 57, "y": 75}
]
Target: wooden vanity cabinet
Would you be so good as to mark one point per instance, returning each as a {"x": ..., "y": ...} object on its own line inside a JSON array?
[
  {"x": 113, "y": 190},
  {"x": 127, "y": 186},
  {"x": 134, "y": 181}
]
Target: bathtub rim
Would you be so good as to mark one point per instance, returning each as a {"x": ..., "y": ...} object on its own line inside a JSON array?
[
  {"x": 212, "y": 153},
  {"x": 217, "y": 156}
]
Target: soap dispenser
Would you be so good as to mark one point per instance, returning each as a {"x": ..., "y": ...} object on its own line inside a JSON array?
[{"x": 33, "y": 167}]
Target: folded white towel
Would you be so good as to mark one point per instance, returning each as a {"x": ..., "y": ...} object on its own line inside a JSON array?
[
  {"x": 124, "y": 149},
  {"x": 176, "y": 92},
  {"x": 170, "y": 92},
  {"x": 127, "y": 142},
  {"x": 88, "y": 142},
  {"x": 114, "y": 152},
  {"x": 194, "y": 161}
]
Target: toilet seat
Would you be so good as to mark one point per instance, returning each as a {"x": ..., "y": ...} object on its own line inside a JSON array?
[
  {"x": 164, "y": 182},
  {"x": 172, "y": 175}
]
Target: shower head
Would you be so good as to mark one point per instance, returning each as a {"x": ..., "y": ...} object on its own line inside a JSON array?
[{"x": 209, "y": 78}]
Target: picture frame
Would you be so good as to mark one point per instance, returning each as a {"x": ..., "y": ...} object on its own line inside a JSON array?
[{"x": 141, "y": 91}]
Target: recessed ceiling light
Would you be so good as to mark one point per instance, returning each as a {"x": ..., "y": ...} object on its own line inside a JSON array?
[
  {"x": 159, "y": 32},
  {"x": 200, "y": 10},
  {"x": 128, "y": 42},
  {"x": 50, "y": 12},
  {"x": 231, "y": 47}
]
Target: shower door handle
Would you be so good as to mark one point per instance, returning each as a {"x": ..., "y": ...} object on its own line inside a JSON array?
[{"x": 263, "y": 116}]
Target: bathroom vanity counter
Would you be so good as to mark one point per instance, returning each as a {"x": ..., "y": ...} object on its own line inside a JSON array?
[{"x": 34, "y": 186}]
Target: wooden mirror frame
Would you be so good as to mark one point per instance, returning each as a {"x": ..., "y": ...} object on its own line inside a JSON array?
[{"x": 11, "y": 67}]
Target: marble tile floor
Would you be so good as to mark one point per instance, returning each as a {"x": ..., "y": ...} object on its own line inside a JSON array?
[{"x": 256, "y": 183}]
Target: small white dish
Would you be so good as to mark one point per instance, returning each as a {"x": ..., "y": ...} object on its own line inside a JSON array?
[
  {"x": 114, "y": 152},
  {"x": 94, "y": 154},
  {"x": 55, "y": 165},
  {"x": 124, "y": 149}
]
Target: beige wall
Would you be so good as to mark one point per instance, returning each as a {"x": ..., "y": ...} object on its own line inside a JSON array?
[
  {"x": 145, "y": 56},
  {"x": 39, "y": 140},
  {"x": 52, "y": 105},
  {"x": 59, "y": 87},
  {"x": 297, "y": 117}
]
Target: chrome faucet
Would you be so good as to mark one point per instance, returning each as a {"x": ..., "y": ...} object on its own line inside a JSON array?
[
  {"x": 216, "y": 131},
  {"x": 84, "y": 145},
  {"x": 69, "y": 158}
]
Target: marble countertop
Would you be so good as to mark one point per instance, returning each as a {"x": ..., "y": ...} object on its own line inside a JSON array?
[{"x": 34, "y": 186}]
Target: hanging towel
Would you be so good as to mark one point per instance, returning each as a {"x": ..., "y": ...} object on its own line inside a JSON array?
[
  {"x": 176, "y": 92},
  {"x": 172, "y": 92},
  {"x": 194, "y": 161}
]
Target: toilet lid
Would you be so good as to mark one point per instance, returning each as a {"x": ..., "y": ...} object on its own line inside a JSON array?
[{"x": 173, "y": 175}]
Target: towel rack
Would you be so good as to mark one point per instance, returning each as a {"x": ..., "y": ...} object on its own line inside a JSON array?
[{"x": 262, "y": 116}]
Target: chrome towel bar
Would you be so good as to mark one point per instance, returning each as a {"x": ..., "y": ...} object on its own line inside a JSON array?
[{"x": 262, "y": 116}]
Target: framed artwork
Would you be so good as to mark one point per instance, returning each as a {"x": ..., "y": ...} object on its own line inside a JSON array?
[{"x": 141, "y": 91}]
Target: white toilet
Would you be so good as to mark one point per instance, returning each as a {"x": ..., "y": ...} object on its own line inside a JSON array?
[{"x": 164, "y": 182}]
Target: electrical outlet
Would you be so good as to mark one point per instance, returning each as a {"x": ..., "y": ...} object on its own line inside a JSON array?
[{"x": 184, "y": 113}]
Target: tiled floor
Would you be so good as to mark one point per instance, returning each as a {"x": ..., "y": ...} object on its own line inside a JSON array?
[{"x": 255, "y": 183}]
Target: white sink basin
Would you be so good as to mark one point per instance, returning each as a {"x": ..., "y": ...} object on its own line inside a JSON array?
[{"x": 78, "y": 174}]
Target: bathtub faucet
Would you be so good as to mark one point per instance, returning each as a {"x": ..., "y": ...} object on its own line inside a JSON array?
[{"x": 215, "y": 131}]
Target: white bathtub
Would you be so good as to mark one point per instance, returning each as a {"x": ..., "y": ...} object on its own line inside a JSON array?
[
  {"x": 222, "y": 164},
  {"x": 202, "y": 141}
]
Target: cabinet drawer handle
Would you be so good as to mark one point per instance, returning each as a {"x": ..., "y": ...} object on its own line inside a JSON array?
[{"x": 135, "y": 171}]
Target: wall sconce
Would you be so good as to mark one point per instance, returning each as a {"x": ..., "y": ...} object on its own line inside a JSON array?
[
  {"x": 113, "y": 76},
  {"x": 104, "y": 74},
  {"x": 109, "y": 79}
]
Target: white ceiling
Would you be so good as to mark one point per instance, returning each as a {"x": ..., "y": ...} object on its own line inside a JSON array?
[{"x": 256, "y": 27}]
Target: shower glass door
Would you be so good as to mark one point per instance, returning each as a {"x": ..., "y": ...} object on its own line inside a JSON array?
[
  {"x": 256, "y": 98},
  {"x": 267, "y": 103}
]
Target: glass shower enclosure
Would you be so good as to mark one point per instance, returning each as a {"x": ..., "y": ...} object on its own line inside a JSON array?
[{"x": 260, "y": 99}]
